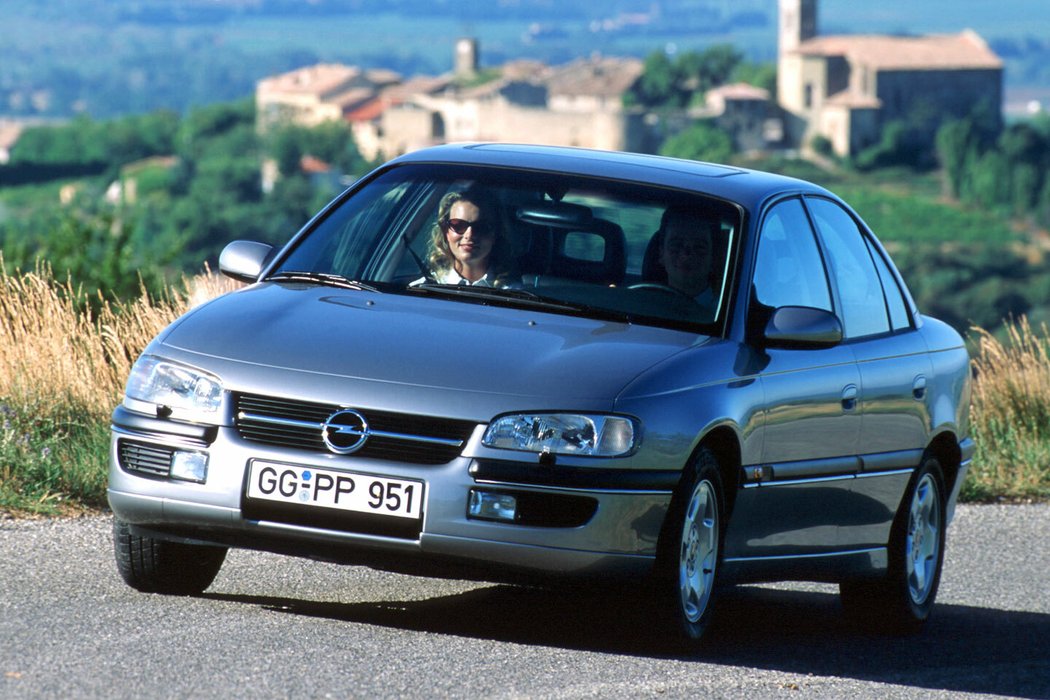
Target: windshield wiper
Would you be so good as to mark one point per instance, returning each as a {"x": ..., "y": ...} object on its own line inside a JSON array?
[
  {"x": 521, "y": 297},
  {"x": 479, "y": 290},
  {"x": 330, "y": 279}
]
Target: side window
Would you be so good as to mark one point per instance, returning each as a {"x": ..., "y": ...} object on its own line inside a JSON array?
[
  {"x": 899, "y": 316},
  {"x": 789, "y": 270},
  {"x": 860, "y": 291}
]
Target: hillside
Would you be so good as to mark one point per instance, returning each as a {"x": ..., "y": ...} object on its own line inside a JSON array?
[{"x": 113, "y": 57}]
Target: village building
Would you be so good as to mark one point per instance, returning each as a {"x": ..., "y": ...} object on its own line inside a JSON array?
[
  {"x": 578, "y": 104},
  {"x": 846, "y": 89},
  {"x": 745, "y": 113},
  {"x": 315, "y": 94}
]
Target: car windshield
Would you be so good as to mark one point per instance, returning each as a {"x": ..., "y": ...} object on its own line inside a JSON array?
[{"x": 498, "y": 236}]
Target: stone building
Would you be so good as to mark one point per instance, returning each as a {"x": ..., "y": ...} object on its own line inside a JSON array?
[
  {"x": 578, "y": 104},
  {"x": 745, "y": 113},
  {"x": 315, "y": 94},
  {"x": 847, "y": 88}
]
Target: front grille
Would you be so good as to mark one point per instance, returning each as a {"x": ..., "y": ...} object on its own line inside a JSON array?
[
  {"x": 144, "y": 458},
  {"x": 251, "y": 411}
]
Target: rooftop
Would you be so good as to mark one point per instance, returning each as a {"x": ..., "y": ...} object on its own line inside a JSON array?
[
  {"x": 595, "y": 76},
  {"x": 935, "y": 52},
  {"x": 319, "y": 79}
]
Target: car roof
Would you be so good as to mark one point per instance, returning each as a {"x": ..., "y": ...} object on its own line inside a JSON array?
[{"x": 746, "y": 187}]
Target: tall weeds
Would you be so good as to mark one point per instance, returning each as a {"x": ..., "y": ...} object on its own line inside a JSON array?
[
  {"x": 62, "y": 371},
  {"x": 1011, "y": 415}
]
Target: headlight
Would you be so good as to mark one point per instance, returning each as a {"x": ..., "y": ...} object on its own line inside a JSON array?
[
  {"x": 178, "y": 387},
  {"x": 563, "y": 433}
]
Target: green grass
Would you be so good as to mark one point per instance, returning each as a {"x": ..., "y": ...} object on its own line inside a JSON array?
[
  {"x": 53, "y": 458},
  {"x": 904, "y": 207},
  {"x": 906, "y": 218}
]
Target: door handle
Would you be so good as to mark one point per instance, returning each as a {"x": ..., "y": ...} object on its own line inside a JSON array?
[
  {"x": 849, "y": 397},
  {"x": 918, "y": 388}
]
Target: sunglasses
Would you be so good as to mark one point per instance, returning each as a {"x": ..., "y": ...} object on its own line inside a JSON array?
[{"x": 460, "y": 226}]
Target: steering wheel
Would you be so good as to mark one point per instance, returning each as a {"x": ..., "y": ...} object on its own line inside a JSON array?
[{"x": 656, "y": 286}]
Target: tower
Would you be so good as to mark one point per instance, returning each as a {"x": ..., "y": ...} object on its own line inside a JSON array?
[
  {"x": 795, "y": 91},
  {"x": 798, "y": 22},
  {"x": 466, "y": 58}
]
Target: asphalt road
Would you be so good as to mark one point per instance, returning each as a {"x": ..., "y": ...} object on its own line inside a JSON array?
[{"x": 276, "y": 627}]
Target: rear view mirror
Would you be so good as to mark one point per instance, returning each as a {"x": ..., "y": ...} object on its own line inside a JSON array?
[
  {"x": 244, "y": 260},
  {"x": 802, "y": 327}
]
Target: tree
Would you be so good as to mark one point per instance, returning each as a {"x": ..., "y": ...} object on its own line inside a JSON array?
[
  {"x": 1028, "y": 153},
  {"x": 762, "y": 75},
  {"x": 330, "y": 142},
  {"x": 991, "y": 179},
  {"x": 710, "y": 68},
  {"x": 955, "y": 143},
  {"x": 656, "y": 86},
  {"x": 667, "y": 84},
  {"x": 701, "y": 141}
]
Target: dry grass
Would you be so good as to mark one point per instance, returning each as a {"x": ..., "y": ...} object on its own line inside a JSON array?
[
  {"x": 1011, "y": 415},
  {"x": 50, "y": 343},
  {"x": 62, "y": 371}
]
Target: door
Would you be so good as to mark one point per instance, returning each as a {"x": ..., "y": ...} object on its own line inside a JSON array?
[
  {"x": 894, "y": 366},
  {"x": 792, "y": 502}
]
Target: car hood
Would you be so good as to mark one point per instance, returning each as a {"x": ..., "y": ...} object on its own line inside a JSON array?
[{"x": 333, "y": 335}]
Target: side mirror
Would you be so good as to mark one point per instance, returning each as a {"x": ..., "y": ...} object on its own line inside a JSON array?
[
  {"x": 802, "y": 327},
  {"x": 244, "y": 260}
]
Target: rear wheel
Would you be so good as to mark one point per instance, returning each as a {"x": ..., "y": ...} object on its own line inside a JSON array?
[
  {"x": 693, "y": 553},
  {"x": 158, "y": 566},
  {"x": 902, "y": 601}
]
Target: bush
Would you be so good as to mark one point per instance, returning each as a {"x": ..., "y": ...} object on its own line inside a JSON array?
[{"x": 822, "y": 145}]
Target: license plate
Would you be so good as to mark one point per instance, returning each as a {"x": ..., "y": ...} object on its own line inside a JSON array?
[{"x": 312, "y": 487}]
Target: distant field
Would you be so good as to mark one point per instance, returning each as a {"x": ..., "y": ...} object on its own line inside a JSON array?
[
  {"x": 430, "y": 38},
  {"x": 374, "y": 40},
  {"x": 1006, "y": 18},
  {"x": 899, "y": 217},
  {"x": 86, "y": 31}
]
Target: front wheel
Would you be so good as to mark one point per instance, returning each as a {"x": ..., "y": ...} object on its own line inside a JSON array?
[
  {"x": 694, "y": 547},
  {"x": 158, "y": 566},
  {"x": 902, "y": 601}
]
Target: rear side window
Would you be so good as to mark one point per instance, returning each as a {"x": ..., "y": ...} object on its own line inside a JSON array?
[{"x": 898, "y": 308}]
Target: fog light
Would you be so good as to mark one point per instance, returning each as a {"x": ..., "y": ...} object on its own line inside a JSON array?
[
  {"x": 492, "y": 506},
  {"x": 189, "y": 466}
]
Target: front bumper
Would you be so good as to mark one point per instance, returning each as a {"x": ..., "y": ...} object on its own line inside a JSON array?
[{"x": 618, "y": 536}]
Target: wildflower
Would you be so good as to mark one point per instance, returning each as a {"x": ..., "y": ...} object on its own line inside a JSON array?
[{"x": 45, "y": 453}]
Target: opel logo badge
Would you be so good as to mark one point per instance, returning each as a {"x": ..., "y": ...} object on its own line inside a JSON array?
[{"x": 345, "y": 431}]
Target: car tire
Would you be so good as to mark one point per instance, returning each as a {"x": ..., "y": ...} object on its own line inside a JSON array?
[
  {"x": 901, "y": 602},
  {"x": 693, "y": 542},
  {"x": 159, "y": 566}
]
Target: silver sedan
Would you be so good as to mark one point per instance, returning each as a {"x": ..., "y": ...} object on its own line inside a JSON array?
[{"x": 529, "y": 363}]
